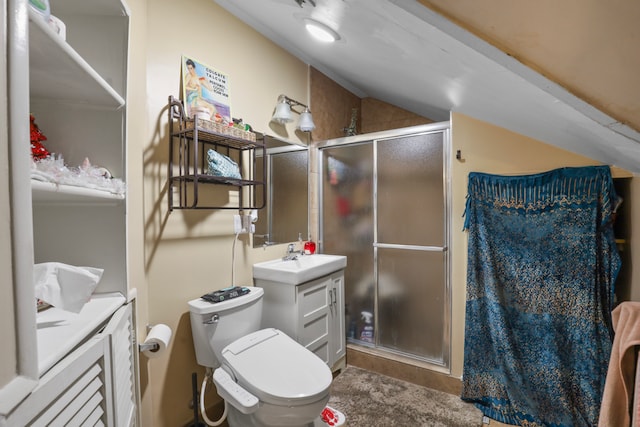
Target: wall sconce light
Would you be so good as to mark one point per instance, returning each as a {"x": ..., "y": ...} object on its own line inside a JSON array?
[
  {"x": 305, "y": 124},
  {"x": 285, "y": 108}
]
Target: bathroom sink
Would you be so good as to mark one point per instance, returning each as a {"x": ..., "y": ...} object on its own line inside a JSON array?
[{"x": 300, "y": 270}]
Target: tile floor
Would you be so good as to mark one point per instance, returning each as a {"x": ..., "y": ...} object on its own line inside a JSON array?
[{"x": 371, "y": 399}]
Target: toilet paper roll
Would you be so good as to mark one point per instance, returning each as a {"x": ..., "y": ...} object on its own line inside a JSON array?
[{"x": 161, "y": 335}]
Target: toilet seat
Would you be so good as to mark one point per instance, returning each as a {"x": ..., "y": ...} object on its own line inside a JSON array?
[{"x": 278, "y": 370}]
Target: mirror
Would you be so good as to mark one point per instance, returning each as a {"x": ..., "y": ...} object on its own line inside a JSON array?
[{"x": 286, "y": 212}]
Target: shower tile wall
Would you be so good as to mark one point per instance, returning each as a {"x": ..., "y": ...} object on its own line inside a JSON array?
[
  {"x": 332, "y": 104},
  {"x": 378, "y": 116}
]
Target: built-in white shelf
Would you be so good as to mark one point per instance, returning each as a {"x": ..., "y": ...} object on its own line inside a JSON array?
[
  {"x": 91, "y": 7},
  {"x": 47, "y": 192},
  {"x": 58, "y": 72},
  {"x": 61, "y": 331}
]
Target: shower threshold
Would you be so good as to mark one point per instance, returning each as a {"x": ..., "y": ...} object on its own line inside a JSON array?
[{"x": 402, "y": 367}]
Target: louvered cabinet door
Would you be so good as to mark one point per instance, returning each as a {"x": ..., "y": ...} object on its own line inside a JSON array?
[
  {"x": 73, "y": 393},
  {"x": 118, "y": 334},
  {"x": 93, "y": 386}
]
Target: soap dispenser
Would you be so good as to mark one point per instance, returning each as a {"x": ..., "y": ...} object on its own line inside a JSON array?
[{"x": 309, "y": 247}]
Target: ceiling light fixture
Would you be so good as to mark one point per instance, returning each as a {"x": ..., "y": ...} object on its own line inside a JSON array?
[
  {"x": 301, "y": 2},
  {"x": 321, "y": 31},
  {"x": 285, "y": 108}
]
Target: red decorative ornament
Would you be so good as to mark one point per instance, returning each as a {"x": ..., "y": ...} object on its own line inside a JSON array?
[
  {"x": 38, "y": 151},
  {"x": 309, "y": 248},
  {"x": 329, "y": 416}
]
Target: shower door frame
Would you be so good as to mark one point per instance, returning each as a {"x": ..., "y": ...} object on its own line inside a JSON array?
[{"x": 439, "y": 127}]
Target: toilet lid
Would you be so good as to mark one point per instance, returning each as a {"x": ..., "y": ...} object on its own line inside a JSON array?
[
  {"x": 200, "y": 306},
  {"x": 274, "y": 367}
]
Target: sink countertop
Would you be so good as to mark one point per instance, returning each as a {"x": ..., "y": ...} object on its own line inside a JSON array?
[{"x": 300, "y": 270}]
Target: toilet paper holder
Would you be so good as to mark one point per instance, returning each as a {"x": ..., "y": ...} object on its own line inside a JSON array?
[{"x": 148, "y": 346}]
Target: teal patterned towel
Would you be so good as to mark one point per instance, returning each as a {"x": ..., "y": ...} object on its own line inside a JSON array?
[
  {"x": 221, "y": 165},
  {"x": 541, "y": 270}
]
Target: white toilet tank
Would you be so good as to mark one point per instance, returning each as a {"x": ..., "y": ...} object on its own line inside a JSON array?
[{"x": 215, "y": 325}]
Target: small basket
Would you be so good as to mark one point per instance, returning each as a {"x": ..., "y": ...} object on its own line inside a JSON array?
[{"x": 222, "y": 129}]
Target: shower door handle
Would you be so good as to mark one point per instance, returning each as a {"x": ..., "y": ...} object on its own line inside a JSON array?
[{"x": 410, "y": 247}]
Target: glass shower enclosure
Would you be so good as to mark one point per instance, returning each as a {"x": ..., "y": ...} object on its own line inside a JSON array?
[{"x": 384, "y": 204}]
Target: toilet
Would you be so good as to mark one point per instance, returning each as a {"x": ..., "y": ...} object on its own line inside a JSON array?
[{"x": 266, "y": 378}]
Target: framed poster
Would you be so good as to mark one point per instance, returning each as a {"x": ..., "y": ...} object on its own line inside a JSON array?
[{"x": 205, "y": 91}]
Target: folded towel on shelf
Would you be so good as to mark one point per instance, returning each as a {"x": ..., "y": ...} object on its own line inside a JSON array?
[
  {"x": 221, "y": 165},
  {"x": 617, "y": 399}
]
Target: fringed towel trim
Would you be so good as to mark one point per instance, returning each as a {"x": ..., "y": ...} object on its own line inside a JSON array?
[{"x": 570, "y": 187}]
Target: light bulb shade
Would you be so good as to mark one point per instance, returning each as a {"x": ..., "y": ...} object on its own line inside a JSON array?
[
  {"x": 306, "y": 122},
  {"x": 321, "y": 31},
  {"x": 282, "y": 114}
]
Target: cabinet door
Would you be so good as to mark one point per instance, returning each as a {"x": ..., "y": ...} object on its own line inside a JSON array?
[
  {"x": 74, "y": 392},
  {"x": 338, "y": 336},
  {"x": 118, "y": 334},
  {"x": 314, "y": 317},
  {"x": 94, "y": 385}
]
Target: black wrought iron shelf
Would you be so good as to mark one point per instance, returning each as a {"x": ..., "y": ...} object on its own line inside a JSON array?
[{"x": 190, "y": 139}]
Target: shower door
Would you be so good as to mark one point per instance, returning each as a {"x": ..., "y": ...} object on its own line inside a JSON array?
[{"x": 384, "y": 205}]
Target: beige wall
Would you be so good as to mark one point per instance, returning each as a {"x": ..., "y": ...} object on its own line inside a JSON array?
[{"x": 188, "y": 253}]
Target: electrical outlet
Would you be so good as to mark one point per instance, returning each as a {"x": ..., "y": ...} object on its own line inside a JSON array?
[
  {"x": 237, "y": 224},
  {"x": 254, "y": 215},
  {"x": 246, "y": 223},
  {"x": 243, "y": 224}
]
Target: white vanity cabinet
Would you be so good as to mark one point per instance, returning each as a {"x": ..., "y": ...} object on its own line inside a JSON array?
[
  {"x": 93, "y": 385},
  {"x": 312, "y": 313},
  {"x": 57, "y": 364}
]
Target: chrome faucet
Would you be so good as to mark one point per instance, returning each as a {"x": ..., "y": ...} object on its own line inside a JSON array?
[{"x": 291, "y": 253}]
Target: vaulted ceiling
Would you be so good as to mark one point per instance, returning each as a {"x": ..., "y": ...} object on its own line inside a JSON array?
[
  {"x": 545, "y": 71},
  {"x": 590, "y": 47}
]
